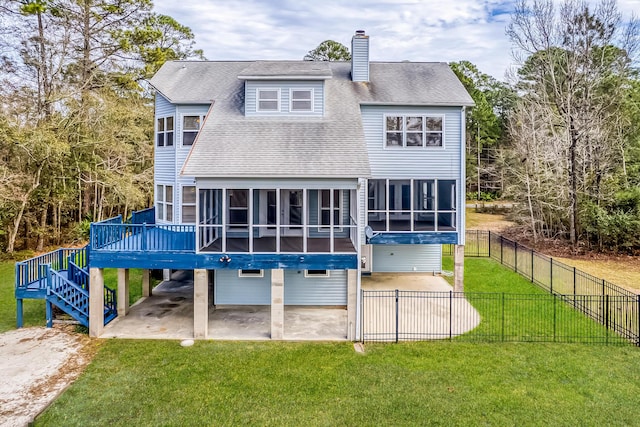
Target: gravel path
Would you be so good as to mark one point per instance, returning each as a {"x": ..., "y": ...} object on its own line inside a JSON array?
[{"x": 36, "y": 365}]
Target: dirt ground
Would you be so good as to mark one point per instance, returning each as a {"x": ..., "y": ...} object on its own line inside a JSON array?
[{"x": 37, "y": 365}]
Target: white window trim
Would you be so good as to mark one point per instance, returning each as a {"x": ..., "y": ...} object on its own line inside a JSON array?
[
  {"x": 326, "y": 228},
  {"x": 162, "y": 204},
  {"x": 165, "y": 131},
  {"x": 250, "y": 275},
  {"x": 182, "y": 130},
  {"x": 308, "y": 275},
  {"x": 301, "y": 89},
  {"x": 278, "y": 99},
  {"x": 183, "y": 204},
  {"x": 404, "y": 132}
]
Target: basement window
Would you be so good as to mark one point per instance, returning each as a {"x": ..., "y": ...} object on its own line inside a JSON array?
[
  {"x": 316, "y": 273},
  {"x": 251, "y": 273}
]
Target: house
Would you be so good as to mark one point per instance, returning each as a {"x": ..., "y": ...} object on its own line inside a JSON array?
[{"x": 282, "y": 182}]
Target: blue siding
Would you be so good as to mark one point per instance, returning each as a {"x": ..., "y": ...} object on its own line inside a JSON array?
[
  {"x": 360, "y": 59},
  {"x": 285, "y": 87},
  {"x": 407, "y": 258},
  {"x": 301, "y": 290},
  {"x": 230, "y": 289},
  {"x": 431, "y": 162},
  {"x": 164, "y": 168}
]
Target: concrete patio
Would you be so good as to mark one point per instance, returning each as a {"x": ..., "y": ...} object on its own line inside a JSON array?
[{"x": 168, "y": 314}]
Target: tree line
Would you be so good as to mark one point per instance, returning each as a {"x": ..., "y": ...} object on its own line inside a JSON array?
[
  {"x": 564, "y": 136},
  {"x": 76, "y": 122},
  {"x": 561, "y": 137}
]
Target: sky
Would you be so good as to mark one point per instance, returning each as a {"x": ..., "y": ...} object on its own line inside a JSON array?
[{"x": 415, "y": 30}]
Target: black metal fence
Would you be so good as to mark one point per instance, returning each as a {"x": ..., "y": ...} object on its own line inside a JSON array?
[
  {"x": 616, "y": 308},
  {"x": 392, "y": 316}
]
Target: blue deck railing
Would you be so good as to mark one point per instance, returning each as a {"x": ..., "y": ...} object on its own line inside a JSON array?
[
  {"x": 145, "y": 216},
  {"x": 143, "y": 237},
  {"x": 31, "y": 274}
]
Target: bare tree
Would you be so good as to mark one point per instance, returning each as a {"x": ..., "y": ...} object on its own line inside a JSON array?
[{"x": 576, "y": 64}]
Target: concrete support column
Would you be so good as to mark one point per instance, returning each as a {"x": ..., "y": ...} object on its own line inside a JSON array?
[
  {"x": 123, "y": 291},
  {"x": 200, "y": 303},
  {"x": 277, "y": 304},
  {"x": 458, "y": 268},
  {"x": 146, "y": 283},
  {"x": 96, "y": 302},
  {"x": 166, "y": 274},
  {"x": 352, "y": 301}
]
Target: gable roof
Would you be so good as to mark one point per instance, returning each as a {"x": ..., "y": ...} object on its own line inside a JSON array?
[{"x": 231, "y": 144}]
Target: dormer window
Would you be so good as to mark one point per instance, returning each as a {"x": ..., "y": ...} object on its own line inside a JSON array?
[
  {"x": 414, "y": 131},
  {"x": 301, "y": 100},
  {"x": 268, "y": 100}
]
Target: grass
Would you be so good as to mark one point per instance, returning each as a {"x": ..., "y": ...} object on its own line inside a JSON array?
[
  {"x": 425, "y": 383},
  {"x": 149, "y": 383},
  {"x": 34, "y": 310},
  {"x": 531, "y": 315}
]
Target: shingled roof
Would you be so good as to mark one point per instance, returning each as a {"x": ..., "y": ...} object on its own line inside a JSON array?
[{"x": 231, "y": 144}]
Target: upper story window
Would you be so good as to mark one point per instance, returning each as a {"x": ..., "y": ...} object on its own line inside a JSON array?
[
  {"x": 301, "y": 100},
  {"x": 190, "y": 127},
  {"x": 164, "y": 132},
  {"x": 268, "y": 100},
  {"x": 414, "y": 131}
]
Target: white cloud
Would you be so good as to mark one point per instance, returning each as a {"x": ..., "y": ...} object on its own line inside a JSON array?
[{"x": 416, "y": 30}]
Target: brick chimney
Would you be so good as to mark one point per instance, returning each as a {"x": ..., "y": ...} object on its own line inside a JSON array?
[{"x": 360, "y": 57}]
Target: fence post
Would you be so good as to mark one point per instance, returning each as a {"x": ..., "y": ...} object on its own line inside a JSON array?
[
  {"x": 362, "y": 327},
  {"x": 502, "y": 329},
  {"x": 574, "y": 280},
  {"x": 532, "y": 266},
  {"x": 555, "y": 322},
  {"x": 638, "y": 331},
  {"x": 489, "y": 237},
  {"x": 551, "y": 274},
  {"x": 603, "y": 286},
  {"x": 450, "y": 315},
  {"x": 606, "y": 313},
  {"x": 501, "y": 249},
  {"x": 397, "y": 316},
  {"x": 515, "y": 256}
]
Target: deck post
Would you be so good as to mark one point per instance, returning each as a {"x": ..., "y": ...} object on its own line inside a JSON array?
[
  {"x": 458, "y": 260},
  {"x": 19, "y": 313},
  {"x": 123, "y": 291},
  {"x": 352, "y": 301},
  {"x": 200, "y": 303},
  {"x": 146, "y": 282},
  {"x": 277, "y": 304},
  {"x": 49, "y": 313},
  {"x": 96, "y": 302}
]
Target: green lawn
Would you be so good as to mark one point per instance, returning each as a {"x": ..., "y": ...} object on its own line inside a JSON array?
[
  {"x": 148, "y": 383},
  {"x": 34, "y": 310}
]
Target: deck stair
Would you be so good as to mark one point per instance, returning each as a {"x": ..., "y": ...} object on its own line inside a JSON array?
[{"x": 61, "y": 278}]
